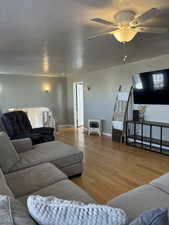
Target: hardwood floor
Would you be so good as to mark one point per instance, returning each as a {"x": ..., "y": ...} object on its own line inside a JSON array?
[{"x": 112, "y": 168}]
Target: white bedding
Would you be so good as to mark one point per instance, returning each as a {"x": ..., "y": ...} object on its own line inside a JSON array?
[{"x": 118, "y": 125}]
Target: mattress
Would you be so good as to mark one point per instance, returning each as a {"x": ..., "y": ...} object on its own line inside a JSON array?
[{"x": 118, "y": 125}]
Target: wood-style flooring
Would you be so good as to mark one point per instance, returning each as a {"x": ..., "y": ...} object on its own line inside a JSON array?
[{"x": 112, "y": 168}]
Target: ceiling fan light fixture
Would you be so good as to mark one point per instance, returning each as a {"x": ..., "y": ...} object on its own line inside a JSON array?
[{"x": 125, "y": 34}]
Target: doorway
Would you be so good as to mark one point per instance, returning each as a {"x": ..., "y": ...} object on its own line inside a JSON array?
[{"x": 78, "y": 90}]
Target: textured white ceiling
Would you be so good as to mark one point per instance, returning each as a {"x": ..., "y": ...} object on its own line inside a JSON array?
[{"x": 58, "y": 30}]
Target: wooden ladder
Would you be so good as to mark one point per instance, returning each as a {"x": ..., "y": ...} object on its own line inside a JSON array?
[
  {"x": 128, "y": 113},
  {"x": 121, "y": 113}
]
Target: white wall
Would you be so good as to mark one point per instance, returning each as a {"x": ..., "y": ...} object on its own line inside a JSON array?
[{"x": 99, "y": 101}]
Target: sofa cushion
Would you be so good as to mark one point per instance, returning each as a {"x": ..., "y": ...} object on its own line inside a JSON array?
[
  {"x": 60, "y": 154},
  {"x": 152, "y": 217},
  {"x": 9, "y": 156},
  {"x": 162, "y": 183},
  {"x": 12, "y": 212},
  {"x": 51, "y": 210},
  {"x": 143, "y": 198},
  {"x": 64, "y": 189},
  {"x": 32, "y": 179},
  {"x": 74, "y": 169},
  {"x": 22, "y": 145},
  {"x": 4, "y": 189}
]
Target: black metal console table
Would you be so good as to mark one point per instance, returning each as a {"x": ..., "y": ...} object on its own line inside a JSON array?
[{"x": 138, "y": 139}]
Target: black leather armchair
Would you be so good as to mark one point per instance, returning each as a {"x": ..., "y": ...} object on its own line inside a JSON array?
[{"x": 18, "y": 126}]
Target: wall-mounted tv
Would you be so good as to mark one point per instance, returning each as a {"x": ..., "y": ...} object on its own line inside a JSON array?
[{"x": 151, "y": 87}]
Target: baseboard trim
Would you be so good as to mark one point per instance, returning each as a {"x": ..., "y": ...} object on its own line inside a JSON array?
[
  {"x": 85, "y": 129},
  {"x": 107, "y": 134},
  {"x": 65, "y": 125},
  {"x": 103, "y": 133}
]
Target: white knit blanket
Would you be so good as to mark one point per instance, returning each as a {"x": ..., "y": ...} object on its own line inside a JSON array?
[{"x": 54, "y": 211}]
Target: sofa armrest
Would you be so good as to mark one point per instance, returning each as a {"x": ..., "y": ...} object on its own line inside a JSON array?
[
  {"x": 22, "y": 145},
  {"x": 43, "y": 130}
]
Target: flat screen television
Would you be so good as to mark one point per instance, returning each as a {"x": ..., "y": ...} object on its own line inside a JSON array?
[{"x": 151, "y": 87}]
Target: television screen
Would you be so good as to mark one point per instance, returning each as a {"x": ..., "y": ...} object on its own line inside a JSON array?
[{"x": 151, "y": 87}]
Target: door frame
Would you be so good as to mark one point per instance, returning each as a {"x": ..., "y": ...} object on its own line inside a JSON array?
[{"x": 75, "y": 104}]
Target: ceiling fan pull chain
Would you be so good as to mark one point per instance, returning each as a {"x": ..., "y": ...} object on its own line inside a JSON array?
[{"x": 125, "y": 56}]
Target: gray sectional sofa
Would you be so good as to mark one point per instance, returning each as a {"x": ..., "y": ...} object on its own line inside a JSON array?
[
  {"x": 44, "y": 179},
  {"x": 146, "y": 197},
  {"x": 47, "y": 174},
  {"x": 63, "y": 156}
]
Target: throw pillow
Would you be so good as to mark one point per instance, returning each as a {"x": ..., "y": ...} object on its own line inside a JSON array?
[
  {"x": 54, "y": 211},
  {"x": 22, "y": 145},
  {"x": 12, "y": 212},
  {"x": 153, "y": 217},
  {"x": 9, "y": 156}
]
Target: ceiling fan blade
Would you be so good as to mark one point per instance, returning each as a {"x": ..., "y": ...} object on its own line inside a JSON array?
[
  {"x": 158, "y": 30},
  {"x": 146, "y": 16},
  {"x": 103, "y": 33},
  {"x": 102, "y": 21},
  {"x": 98, "y": 35}
]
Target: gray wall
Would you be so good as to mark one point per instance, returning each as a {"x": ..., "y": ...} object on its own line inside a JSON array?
[
  {"x": 27, "y": 91},
  {"x": 99, "y": 101}
]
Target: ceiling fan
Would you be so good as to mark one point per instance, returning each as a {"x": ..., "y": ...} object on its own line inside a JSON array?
[{"x": 127, "y": 25}]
